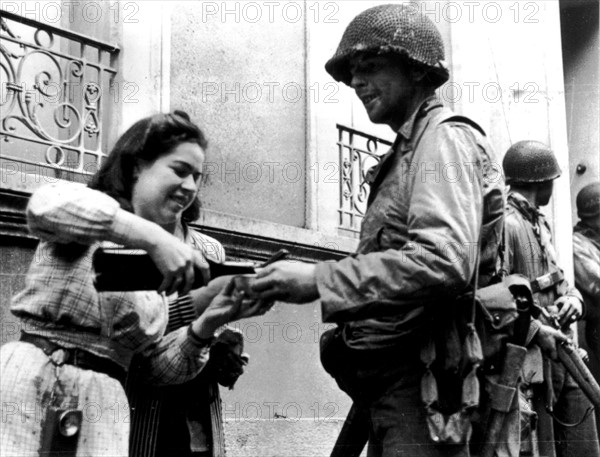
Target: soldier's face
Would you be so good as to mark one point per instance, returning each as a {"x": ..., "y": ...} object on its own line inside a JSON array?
[
  {"x": 544, "y": 193},
  {"x": 385, "y": 87}
]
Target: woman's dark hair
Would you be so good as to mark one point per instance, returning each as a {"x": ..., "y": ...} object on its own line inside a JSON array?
[{"x": 146, "y": 140}]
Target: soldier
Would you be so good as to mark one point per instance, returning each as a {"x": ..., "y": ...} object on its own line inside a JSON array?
[
  {"x": 586, "y": 255},
  {"x": 415, "y": 252},
  {"x": 530, "y": 169}
]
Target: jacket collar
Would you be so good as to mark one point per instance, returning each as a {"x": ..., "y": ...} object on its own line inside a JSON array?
[
  {"x": 405, "y": 137},
  {"x": 588, "y": 232},
  {"x": 521, "y": 204},
  {"x": 407, "y": 130}
]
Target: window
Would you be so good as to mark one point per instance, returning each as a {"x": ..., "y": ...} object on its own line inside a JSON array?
[
  {"x": 358, "y": 152},
  {"x": 55, "y": 102}
]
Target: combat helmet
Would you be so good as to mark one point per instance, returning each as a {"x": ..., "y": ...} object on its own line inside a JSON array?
[
  {"x": 530, "y": 162},
  {"x": 398, "y": 29},
  {"x": 588, "y": 201}
]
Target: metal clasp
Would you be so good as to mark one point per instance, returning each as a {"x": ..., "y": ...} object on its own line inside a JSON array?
[
  {"x": 544, "y": 281},
  {"x": 59, "y": 357}
]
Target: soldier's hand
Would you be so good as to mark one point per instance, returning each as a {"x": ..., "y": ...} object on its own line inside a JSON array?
[
  {"x": 293, "y": 282},
  {"x": 570, "y": 309},
  {"x": 547, "y": 338}
]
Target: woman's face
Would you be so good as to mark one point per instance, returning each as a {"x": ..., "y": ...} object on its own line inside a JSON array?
[{"x": 166, "y": 187}]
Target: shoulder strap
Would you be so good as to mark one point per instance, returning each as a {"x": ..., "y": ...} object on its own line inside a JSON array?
[
  {"x": 502, "y": 263},
  {"x": 451, "y": 117},
  {"x": 443, "y": 117},
  {"x": 378, "y": 172}
]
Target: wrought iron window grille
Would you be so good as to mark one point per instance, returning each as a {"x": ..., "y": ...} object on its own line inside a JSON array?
[
  {"x": 358, "y": 152},
  {"x": 55, "y": 99}
]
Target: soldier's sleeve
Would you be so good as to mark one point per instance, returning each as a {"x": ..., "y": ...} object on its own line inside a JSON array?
[
  {"x": 586, "y": 261},
  {"x": 587, "y": 279},
  {"x": 444, "y": 217}
]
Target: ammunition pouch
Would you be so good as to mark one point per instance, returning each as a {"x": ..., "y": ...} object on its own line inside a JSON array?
[
  {"x": 464, "y": 336},
  {"x": 496, "y": 312}
]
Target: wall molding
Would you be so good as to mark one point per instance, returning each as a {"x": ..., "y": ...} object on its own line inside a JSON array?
[{"x": 237, "y": 244}]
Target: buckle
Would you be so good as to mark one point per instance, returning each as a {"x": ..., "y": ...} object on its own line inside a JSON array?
[
  {"x": 59, "y": 357},
  {"x": 545, "y": 281}
]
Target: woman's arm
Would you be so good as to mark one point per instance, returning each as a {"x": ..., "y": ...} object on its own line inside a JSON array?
[
  {"x": 182, "y": 353},
  {"x": 73, "y": 213}
]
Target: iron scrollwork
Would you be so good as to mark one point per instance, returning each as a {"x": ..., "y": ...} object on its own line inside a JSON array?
[
  {"x": 358, "y": 152},
  {"x": 52, "y": 103}
]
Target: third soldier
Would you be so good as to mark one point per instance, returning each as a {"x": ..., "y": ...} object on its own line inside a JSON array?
[{"x": 565, "y": 426}]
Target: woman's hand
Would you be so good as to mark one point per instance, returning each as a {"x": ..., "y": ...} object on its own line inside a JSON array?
[
  {"x": 226, "y": 306},
  {"x": 176, "y": 261},
  {"x": 293, "y": 282},
  {"x": 204, "y": 296}
]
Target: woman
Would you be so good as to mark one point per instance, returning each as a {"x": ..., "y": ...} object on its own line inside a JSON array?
[{"x": 67, "y": 370}]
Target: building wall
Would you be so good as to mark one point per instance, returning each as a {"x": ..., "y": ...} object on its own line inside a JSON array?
[
  {"x": 244, "y": 83},
  {"x": 580, "y": 45},
  {"x": 507, "y": 65},
  {"x": 15, "y": 256}
]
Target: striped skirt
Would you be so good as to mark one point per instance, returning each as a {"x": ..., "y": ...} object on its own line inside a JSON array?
[{"x": 28, "y": 386}]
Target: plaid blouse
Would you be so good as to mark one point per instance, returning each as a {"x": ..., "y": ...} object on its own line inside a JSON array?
[{"x": 60, "y": 302}]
